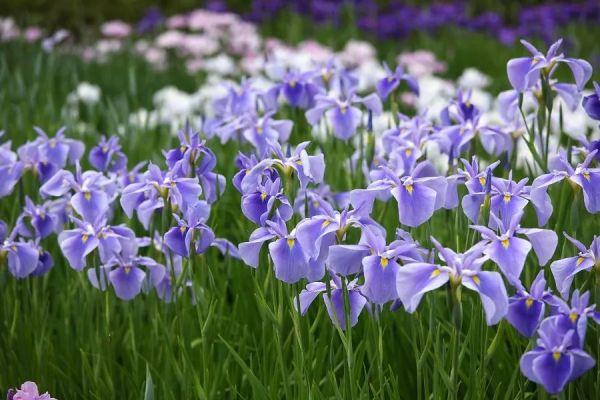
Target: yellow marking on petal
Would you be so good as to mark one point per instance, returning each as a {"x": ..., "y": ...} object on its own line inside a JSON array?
[
  {"x": 84, "y": 238},
  {"x": 505, "y": 243},
  {"x": 435, "y": 273},
  {"x": 535, "y": 60},
  {"x": 182, "y": 229},
  {"x": 408, "y": 152},
  {"x": 105, "y": 149},
  {"x": 586, "y": 175},
  {"x": 52, "y": 143},
  {"x": 299, "y": 162},
  {"x": 529, "y": 302},
  {"x": 409, "y": 188},
  {"x": 291, "y": 243},
  {"x": 259, "y": 130},
  {"x": 390, "y": 78},
  {"x": 343, "y": 109},
  {"x": 579, "y": 261},
  {"x": 316, "y": 204},
  {"x": 376, "y": 162},
  {"x": 384, "y": 262},
  {"x": 482, "y": 181},
  {"x": 293, "y": 84},
  {"x": 476, "y": 280},
  {"x": 573, "y": 317},
  {"x": 13, "y": 247},
  {"x": 556, "y": 355},
  {"x": 183, "y": 148},
  {"x": 325, "y": 223},
  {"x": 127, "y": 270},
  {"x": 263, "y": 196},
  {"x": 507, "y": 197},
  {"x": 87, "y": 195}
]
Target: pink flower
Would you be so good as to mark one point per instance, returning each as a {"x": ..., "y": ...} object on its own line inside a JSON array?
[
  {"x": 116, "y": 29},
  {"x": 421, "y": 63},
  {"x": 29, "y": 391},
  {"x": 32, "y": 34}
]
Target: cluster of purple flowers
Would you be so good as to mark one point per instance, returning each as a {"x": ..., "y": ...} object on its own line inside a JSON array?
[
  {"x": 78, "y": 206},
  {"x": 333, "y": 241},
  {"x": 382, "y": 18}
]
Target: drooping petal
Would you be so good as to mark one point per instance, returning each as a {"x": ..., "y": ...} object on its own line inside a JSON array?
[
  {"x": 344, "y": 121},
  {"x": 289, "y": 260},
  {"x": 127, "y": 281},
  {"x": 76, "y": 246},
  {"x": 335, "y": 306},
  {"x": 175, "y": 240},
  {"x": 544, "y": 243},
  {"x": 250, "y": 251},
  {"x": 525, "y": 314},
  {"x": 91, "y": 205},
  {"x": 346, "y": 259},
  {"x": 493, "y": 295},
  {"x": 416, "y": 203},
  {"x": 518, "y": 70},
  {"x": 380, "y": 279},
  {"x": 565, "y": 270},
  {"x": 415, "y": 279},
  {"x": 509, "y": 254},
  {"x": 552, "y": 371}
]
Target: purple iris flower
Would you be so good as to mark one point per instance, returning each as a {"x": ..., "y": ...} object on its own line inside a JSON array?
[
  {"x": 416, "y": 279},
  {"x": 76, "y": 244},
  {"x": 318, "y": 234},
  {"x": 289, "y": 258},
  {"x": 191, "y": 231},
  {"x": 260, "y": 205},
  {"x": 132, "y": 176},
  {"x": 507, "y": 197},
  {"x": 41, "y": 217},
  {"x": 194, "y": 158},
  {"x": 555, "y": 361},
  {"x": 319, "y": 200},
  {"x": 309, "y": 169},
  {"x": 107, "y": 155},
  {"x": 393, "y": 79},
  {"x": 264, "y": 131},
  {"x": 45, "y": 261},
  {"x": 524, "y": 72},
  {"x": 417, "y": 194},
  {"x": 342, "y": 113},
  {"x": 461, "y": 122},
  {"x": 575, "y": 316},
  {"x": 526, "y": 308},
  {"x": 33, "y": 159},
  {"x": 10, "y": 169},
  {"x": 22, "y": 256},
  {"x": 297, "y": 88},
  {"x": 155, "y": 190},
  {"x": 58, "y": 149},
  {"x": 409, "y": 137},
  {"x": 335, "y": 302},
  {"x": 509, "y": 252},
  {"x": 508, "y": 101},
  {"x": 245, "y": 164},
  {"x": 93, "y": 191},
  {"x": 379, "y": 264},
  {"x": 591, "y": 103},
  {"x": 583, "y": 176},
  {"x": 123, "y": 272},
  {"x": 564, "y": 270}
]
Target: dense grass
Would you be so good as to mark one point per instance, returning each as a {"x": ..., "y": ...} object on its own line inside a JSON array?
[{"x": 242, "y": 337}]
